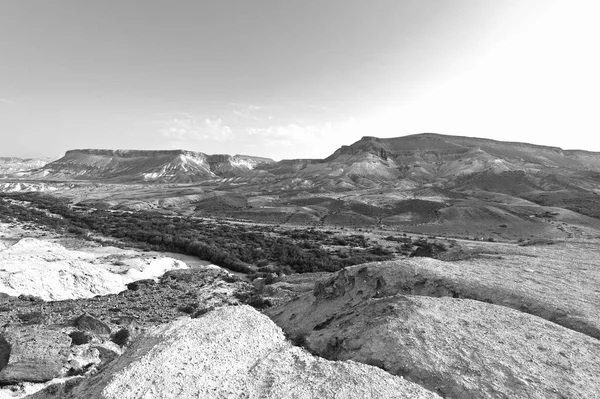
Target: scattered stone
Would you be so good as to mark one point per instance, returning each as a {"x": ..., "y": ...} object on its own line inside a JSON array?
[
  {"x": 89, "y": 323},
  {"x": 189, "y": 308},
  {"x": 120, "y": 337},
  {"x": 136, "y": 285},
  {"x": 80, "y": 337}
]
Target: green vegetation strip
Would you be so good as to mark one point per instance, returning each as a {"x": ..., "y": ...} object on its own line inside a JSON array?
[{"x": 241, "y": 248}]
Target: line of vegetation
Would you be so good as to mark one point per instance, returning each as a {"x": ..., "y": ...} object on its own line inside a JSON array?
[{"x": 246, "y": 249}]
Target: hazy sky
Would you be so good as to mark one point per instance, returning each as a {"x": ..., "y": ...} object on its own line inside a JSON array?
[{"x": 294, "y": 79}]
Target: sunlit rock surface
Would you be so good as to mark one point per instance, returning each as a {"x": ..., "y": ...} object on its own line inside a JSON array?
[
  {"x": 460, "y": 348},
  {"x": 52, "y": 272},
  {"x": 232, "y": 352}
]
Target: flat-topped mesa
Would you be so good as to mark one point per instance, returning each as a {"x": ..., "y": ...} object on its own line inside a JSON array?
[{"x": 171, "y": 166}]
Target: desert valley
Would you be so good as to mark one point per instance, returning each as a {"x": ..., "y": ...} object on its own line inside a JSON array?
[{"x": 423, "y": 266}]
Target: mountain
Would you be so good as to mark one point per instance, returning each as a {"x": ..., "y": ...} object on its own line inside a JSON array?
[
  {"x": 428, "y": 183},
  {"x": 406, "y": 162},
  {"x": 434, "y": 158},
  {"x": 442, "y": 162},
  {"x": 172, "y": 166}
]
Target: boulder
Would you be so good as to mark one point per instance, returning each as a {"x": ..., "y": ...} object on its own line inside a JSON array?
[
  {"x": 80, "y": 337},
  {"x": 136, "y": 285},
  {"x": 89, "y": 323},
  {"x": 36, "y": 355}
]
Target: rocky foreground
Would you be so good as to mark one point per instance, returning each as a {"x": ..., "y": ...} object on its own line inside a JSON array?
[
  {"x": 231, "y": 352},
  {"x": 459, "y": 348},
  {"x": 485, "y": 327}
]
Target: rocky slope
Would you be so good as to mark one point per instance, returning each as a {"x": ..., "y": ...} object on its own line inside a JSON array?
[
  {"x": 459, "y": 348},
  {"x": 232, "y": 352}
]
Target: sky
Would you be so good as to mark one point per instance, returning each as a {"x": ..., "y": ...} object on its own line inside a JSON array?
[{"x": 294, "y": 79}]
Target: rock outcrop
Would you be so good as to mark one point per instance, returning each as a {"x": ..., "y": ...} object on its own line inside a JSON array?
[
  {"x": 51, "y": 272},
  {"x": 460, "y": 348},
  {"x": 232, "y": 352}
]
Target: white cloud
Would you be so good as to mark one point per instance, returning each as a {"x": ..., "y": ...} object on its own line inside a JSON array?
[
  {"x": 246, "y": 115},
  {"x": 7, "y": 101},
  {"x": 290, "y": 134},
  {"x": 186, "y": 127},
  {"x": 296, "y": 140},
  {"x": 247, "y": 112}
]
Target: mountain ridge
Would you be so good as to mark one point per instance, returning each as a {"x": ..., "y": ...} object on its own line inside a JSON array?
[{"x": 412, "y": 165}]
